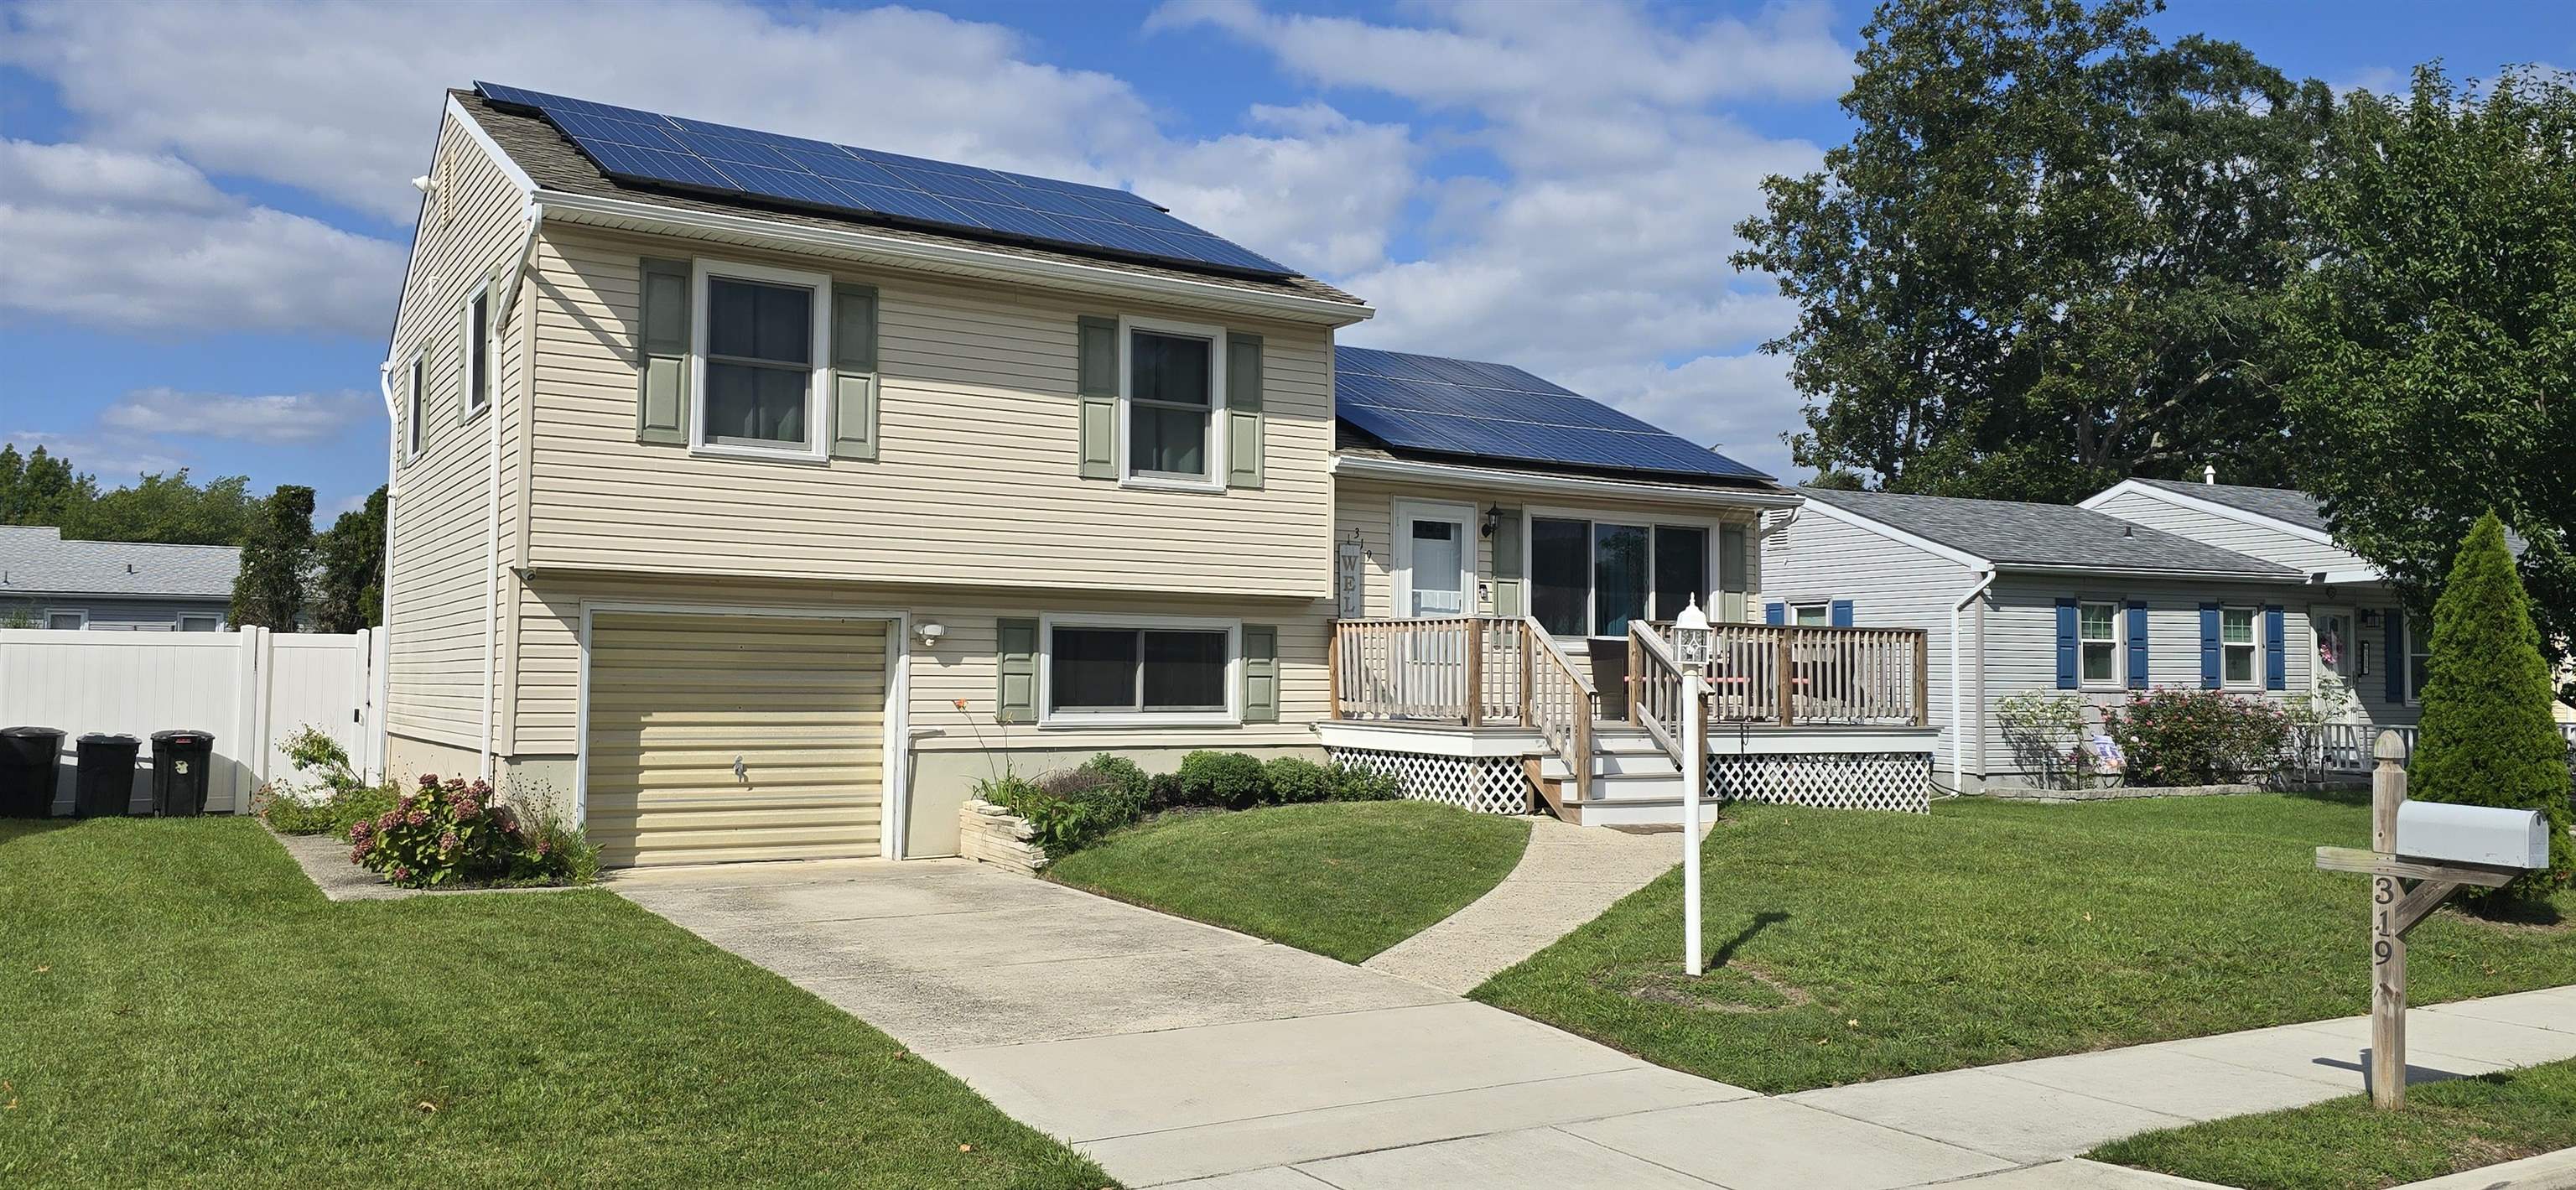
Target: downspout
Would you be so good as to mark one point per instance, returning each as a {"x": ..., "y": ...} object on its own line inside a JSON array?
[
  {"x": 492, "y": 511},
  {"x": 385, "y": 582},
  {"x": 1958, "y": 731}
]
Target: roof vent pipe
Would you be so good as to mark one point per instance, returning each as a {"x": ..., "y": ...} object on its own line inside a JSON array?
[{"x": 2209, "y": 473}]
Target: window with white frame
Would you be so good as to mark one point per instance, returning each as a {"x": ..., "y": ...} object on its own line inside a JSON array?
[
  {"x": 1590, "y": 577},
  {"x": 1173, "y": 381},
  {"x": 763, "y": 341},
  {"x": 2419, "y": 657},
  {"x": 1113, "y": 670},
  {"x": 474, "y": 383},
  {"x": 1814, "y": 614},
  {"x": 418, "y": 406},
  {"x": 2238, "y": 642},
  {"x": 66, "y": 620},
  {"x": 2097, "y": 631},
  {"x": 201, "y": 623}
]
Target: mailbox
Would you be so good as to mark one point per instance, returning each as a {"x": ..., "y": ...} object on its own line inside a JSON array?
[{"x": 2498, "y": 838}]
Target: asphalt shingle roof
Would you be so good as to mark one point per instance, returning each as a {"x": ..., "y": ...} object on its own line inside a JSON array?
[
  {"x": 36, "y": 560},
  {"x": 2011, "y": 533},
  {"x": 2281, "y": 504},
  {"x": 553, "y": 163}
]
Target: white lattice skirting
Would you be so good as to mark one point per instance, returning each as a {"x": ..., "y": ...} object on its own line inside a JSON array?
[
  {"x": 1485, "y": 784},
  {"x": 1834, "y": 781}
]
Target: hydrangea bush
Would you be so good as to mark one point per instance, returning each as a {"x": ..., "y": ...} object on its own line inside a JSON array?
[
  {"x": 456, "y": 832},
  {"x": 2199, "y": 737}
]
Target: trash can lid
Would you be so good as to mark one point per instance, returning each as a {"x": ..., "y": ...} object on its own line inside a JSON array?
[
  {"x": 55, "y": 732},
  {"x": 181, "y": 736},
  {"x": 101, "y": 737}
]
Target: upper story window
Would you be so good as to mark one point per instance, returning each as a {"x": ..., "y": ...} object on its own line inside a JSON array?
[
  {"x": 474, "y": 383},
  {"x": 2097, "y": 628},
  {"x": 764, "y": 346},
  {"x": 1173, "y": 387},
  {"x": 417, "y": 405},
  {"x": 2238, "y": 642}
]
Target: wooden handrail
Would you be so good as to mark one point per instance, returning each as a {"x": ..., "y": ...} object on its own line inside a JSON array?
[
  {"x": 1562, "y": 716},
  {"x": 1655, "y": 694}
]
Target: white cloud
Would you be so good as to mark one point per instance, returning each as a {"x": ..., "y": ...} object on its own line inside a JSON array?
[
  {"x": 281, "y": 420},
  {"x": 1737, "y": 404},
  {"x": 116, "y": 461},
  {"x": 145, "y": 243},
  {"x": 1323, "y": 194}
]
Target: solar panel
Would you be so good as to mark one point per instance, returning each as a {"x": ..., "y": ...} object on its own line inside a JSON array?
[
  {"x": 1495, "y": 411},
  {"x": 641, "y": 146}
]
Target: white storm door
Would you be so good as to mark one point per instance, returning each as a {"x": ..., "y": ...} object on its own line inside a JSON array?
[{"x": 1435, "y": 578}]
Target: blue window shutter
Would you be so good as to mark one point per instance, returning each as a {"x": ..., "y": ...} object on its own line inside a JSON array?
[
  {"x": 2209, "y": 646},
  {"x": 1840, "y": 610},
  {"x": 2395, "y": 662},
  {"x": 1775, "y": 613},
  {"x": 2137, "y": 645},
  {"x": 2276, "y": 652},
  {"x": 2065, "y": 644}
]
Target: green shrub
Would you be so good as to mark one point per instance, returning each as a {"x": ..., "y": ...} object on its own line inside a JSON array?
[
  {"x": 1121, "y": 772},
  {"x": 1229, "y": 780},
  {"x": 1071, "y": 809},
  {"x": 2199, "y": 737},
  {"x": 1163, "y": 792},
  {"x": 455, "y": 833},
  {"x": 1360, "y": 785},
  {"x": 1293, "y": 781},
  {"x": 342, "y": 801},
  {"x": 2487, "y": 738}
]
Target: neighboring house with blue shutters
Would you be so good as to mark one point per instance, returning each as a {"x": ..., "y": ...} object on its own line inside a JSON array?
[{"x": 2087, "y": 600}]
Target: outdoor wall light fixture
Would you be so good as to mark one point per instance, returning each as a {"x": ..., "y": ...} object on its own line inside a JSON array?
[
  {"x": 929, "y": 632},
  {"x": 1493, "y": 519}
]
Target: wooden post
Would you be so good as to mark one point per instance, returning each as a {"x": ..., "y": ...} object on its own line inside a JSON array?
[
  {"x": 1628, "y": 680},
  {"x": 1475, "y": 671},
  {"x": 1922, "y": 678},
  {"x": 1528, "y": 649},
  {"x": 1788, "y": 684},
  {"x": 2387, "y": 932},
  {"x": 1333, "y": 670}
]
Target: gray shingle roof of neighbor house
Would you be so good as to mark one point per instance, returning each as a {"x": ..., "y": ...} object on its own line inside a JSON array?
[
  {"x": 553, "y": 163},
  {"x": 2010, "y": 533},
  {"x": 2287, "y": 505},
  {"x": 37, "y": 561}
]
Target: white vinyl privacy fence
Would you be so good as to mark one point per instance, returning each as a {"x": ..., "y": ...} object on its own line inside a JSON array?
[{"x": 252, "y": 689}]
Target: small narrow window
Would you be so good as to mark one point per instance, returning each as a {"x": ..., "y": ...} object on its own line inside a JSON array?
[
  {"x": 1812, "y": 615},
  {"x": 66, "y": 620},
  {"x": 2098, "y": 627},
  {"x": 2237, "y": 646},
  {"x": 201, "y": 623},
  {"x": 2419, "y": 658},
  {"x": 474, "y": 382},
  {"x": 419, "y": 405},
  {"x": 1171, "y": 397}
]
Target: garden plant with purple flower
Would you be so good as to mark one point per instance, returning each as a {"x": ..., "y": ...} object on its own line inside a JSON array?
[{"x": 453, "y": 832}]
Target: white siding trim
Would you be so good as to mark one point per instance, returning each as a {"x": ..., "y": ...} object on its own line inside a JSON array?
[
  {"x": 491, "y": 148},
  {"x": 2196, "y": 504},
  {"x": 1892, "y": 533},
  {"x": 898, "y": 735},
  {"x": 1527, "y": 483}
]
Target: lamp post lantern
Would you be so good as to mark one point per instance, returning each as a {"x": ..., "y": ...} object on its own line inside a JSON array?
[{"x": 1691, "y": 649}]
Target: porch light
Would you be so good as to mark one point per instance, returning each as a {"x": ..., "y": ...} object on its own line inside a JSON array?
[
  {"x": 1691, "y": 636},
  {"x": 929, "y": 633}
]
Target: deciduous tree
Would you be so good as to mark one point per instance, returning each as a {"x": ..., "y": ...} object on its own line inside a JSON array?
[
  {"x": 352, "y": 559},
  {"x": 277, "y": 562}
]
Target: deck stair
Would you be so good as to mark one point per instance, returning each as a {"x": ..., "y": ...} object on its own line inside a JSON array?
[{"x": 1634, "y": 782}]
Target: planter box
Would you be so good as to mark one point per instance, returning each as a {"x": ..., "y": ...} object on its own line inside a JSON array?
[{"x": 989, "y": 834}]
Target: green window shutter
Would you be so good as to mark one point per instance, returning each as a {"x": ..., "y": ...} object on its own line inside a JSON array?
[
  {"x": 1015, "y": 665},
  {"x": 1096, "y": 381},
  {"x": 662, "y": 350},
  {"x": 1244, "y": 435},
  {"x": 1732, "y": 569},
  {"x": 854, "y": 372},
  {"x": 1507, "y": 563},
  {"x": 1260, "y": 673}
]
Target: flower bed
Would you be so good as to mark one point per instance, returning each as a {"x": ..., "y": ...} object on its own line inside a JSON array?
[
  {"x": 1024, "y": 822},
  {"x": 455, "y": 834}
]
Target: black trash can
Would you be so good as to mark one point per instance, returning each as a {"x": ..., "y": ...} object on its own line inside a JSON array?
[
  {"x": 179, "y": 763},
  {"x": 103, "y": 786},
  {"x": 27, "y": 756}
]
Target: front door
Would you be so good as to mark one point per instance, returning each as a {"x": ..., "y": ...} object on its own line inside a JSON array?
[
  {"x": 2333, "y": 635},
  {"x": 1435, "y": 578}
]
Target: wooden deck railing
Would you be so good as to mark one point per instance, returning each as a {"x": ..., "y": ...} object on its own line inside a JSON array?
[
  {"x": 1798, "y": 675},
  {"x": 1559, "y": 703}
]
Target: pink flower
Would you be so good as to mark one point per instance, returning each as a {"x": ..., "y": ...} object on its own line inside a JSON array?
[
  {"x": 448, "y": 841},
  {"x": 358, "y": 854},
  {"x": 401, "y": 872},
  {"x": 467, "y": 808},
  {"x": 417, "y": 818},
  {"x": 388, "y": 821},
  {"x": 359, "y": 830},
  {"x": 428, "y": 780}
]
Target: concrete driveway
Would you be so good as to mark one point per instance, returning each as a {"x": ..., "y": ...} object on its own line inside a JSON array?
[{"x": 1170, "y": 1051}]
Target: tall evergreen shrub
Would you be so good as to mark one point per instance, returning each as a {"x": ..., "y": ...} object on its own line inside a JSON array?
[{"x": 2487, "y": 738}]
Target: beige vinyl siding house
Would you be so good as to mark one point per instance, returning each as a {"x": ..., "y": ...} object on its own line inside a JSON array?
[{"x": 642, "y": 590}]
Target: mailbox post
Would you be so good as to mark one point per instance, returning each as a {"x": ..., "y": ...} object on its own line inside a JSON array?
[
  {"x": 2444, "y": 848},
  {"x": 1691, "y": 649}
]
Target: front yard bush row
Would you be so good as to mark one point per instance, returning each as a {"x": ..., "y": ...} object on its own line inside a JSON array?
[
  {"x": 1073, "y": 808},
  {"x": 440, "y": 834},
  {"x": 2199, "y": 737}
]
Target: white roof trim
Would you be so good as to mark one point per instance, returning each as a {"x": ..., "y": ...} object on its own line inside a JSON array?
[
  {"x": 1373, "y": 467},
  {"x": 893, "y": 251},
  {"x": 1834, "y": 512},
  {"x": 509, "y": 169},
  {"x": 2292, "y": 579},
  {"x": 2212, "y": 507}
]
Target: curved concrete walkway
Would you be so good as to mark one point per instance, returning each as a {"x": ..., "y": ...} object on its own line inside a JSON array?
[{"x": 1567, "y": 876}]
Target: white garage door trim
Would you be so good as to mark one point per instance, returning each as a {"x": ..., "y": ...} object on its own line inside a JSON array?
[{"x": 898, "y": 780}]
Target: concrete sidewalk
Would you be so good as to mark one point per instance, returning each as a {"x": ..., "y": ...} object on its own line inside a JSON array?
[
  {"x": 1174, "y": 1052},
  {"x": 1567, "y": 876}
]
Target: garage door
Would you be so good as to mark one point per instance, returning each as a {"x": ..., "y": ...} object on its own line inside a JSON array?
[{"x": 718, "y": 737}]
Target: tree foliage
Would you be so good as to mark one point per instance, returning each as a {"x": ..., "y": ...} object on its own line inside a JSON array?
[
  {"x": 2432, "y": 349},
  {"x": 2487, "y": 737},
  {"x": 2048, "y": 257},
  {"x": 39, "y": 488},
  {"x": 349, "y": 593},
  {"x": 277, "y": 562}
]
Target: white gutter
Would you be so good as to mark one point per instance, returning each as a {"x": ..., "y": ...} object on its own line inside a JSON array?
[
  {"x": 2338, "y": 578},
  {"x": 1373, "y": 467},
  {"x": 2230, "y": 576},
  {"x": 385, "y": 582},
  {"x": 942, "y": 256},
  {"x": 1958, "y": 730},
  {"x": 536, "y": 214}
]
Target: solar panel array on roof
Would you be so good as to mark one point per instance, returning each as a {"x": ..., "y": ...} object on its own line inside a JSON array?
[
  {"x": 1461, "y": 407},
  {"x": 667, "y": 150}
]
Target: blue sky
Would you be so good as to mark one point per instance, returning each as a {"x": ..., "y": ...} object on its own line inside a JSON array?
[{"x": 203, "y": 210}]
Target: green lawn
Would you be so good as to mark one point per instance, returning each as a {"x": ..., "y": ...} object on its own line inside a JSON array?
[
  {"x": 182, "y": 1008},
  {"x": 1344, "y": 879},
  {"x": 2344, "y": 1144},
  {"x": 1846, "y": 946}
]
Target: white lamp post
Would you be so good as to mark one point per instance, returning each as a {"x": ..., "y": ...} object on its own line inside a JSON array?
[{"x": 1691, "y": 648}]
